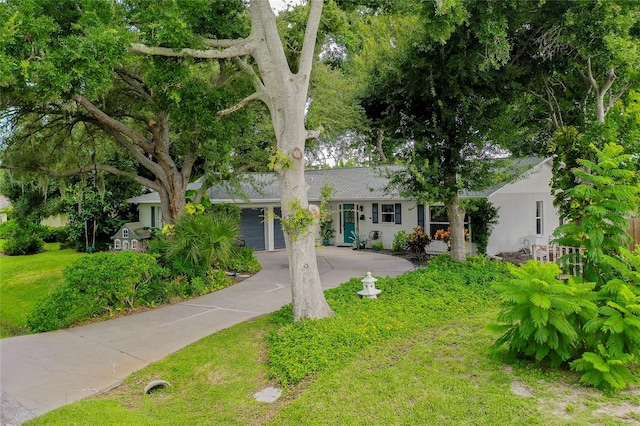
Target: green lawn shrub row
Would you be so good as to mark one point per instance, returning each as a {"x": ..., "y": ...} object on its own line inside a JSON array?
[
  {"x": 28, "y": 238},
  {"x": 98, "y": 284},
  {"x": 105, "y": 283},
  {"x": 416, "y": 300}
]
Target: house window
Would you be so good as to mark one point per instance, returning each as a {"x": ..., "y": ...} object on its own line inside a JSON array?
[
  {"x": 374, "y": 212},
  {"x": 125, "y": 245},
  {"x": 438, "y": 219},
  {"x": 388, "y": 213},
  {"x": 125, "y": 233},
  {"x": 539, "y": 217},
  {"x": 134, "y": 244},
  {"x": 391, "y": 213},
  {"x": 116, "y": 245}
]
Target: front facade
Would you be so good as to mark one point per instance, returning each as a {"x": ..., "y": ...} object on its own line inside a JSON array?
[{"x": 361, "y": 206}]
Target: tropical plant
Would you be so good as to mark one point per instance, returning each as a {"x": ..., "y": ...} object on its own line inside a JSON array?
[
  {"x": 399, "y": 241},
  {"x": 541, "y": 316},
  {"x": 417, "y": 242},
  {"x": 200, "y": 241}
]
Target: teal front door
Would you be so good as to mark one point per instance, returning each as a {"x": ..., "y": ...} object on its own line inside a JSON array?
[{"x": 348, "y": 222}]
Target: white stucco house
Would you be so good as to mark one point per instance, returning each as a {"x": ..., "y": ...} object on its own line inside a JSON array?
[{"x": 360, "y": 204}]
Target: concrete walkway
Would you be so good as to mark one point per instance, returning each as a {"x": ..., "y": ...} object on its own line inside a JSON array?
[{"x": 40, "y": 372}]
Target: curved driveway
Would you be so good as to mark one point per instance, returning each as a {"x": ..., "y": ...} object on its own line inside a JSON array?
[{"x": 40, "y": 372}]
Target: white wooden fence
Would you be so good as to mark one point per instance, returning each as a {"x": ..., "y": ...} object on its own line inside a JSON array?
[{"x": 569, "y": 258}]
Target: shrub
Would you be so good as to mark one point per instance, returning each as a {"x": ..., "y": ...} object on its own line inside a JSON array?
[
  {"x": 23, "y": 242},
  {"x": 199, "y": 241},
  {"x": 242, "y": 259},
  {"x": 103, "y": 282},
  {"x": 541, "y": 316},
  {"x": 399, "y": 241},
  {"x": 417, "y": 242},
  {"x": 8, "y": 228}
]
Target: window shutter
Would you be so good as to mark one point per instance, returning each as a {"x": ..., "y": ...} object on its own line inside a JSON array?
[
  {"x": 153, "y": 217},
  {"x": 374, "y": 212},
  {"x": 398, "y": 214},
  {"x": 421, "y": 215}
]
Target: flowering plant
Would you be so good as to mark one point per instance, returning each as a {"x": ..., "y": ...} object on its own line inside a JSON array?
[{"x": 445, "y": 236}]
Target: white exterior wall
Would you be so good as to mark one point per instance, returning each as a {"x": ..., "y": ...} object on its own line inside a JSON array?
[
  {"x": 387, "y": 231},
  {"x": 517, "y": 212}
]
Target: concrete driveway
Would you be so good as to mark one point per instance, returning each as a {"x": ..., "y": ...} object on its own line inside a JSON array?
[{"x": 40, "y": 372}]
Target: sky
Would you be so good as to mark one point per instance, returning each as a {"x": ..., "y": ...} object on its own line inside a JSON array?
[{"x": 280, "y": 4}]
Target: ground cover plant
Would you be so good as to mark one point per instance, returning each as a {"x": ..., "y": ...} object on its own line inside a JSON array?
[
  {"x": 27, "y": 279},
  {"x": 438, "y": 368}
]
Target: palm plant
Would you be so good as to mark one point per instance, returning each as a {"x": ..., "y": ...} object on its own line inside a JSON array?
[{"x": 202, "y": 241}]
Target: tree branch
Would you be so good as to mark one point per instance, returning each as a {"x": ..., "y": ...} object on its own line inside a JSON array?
[
  {"x": 241, "y": 49},
  {"x": 614, "y": 98},
  {"x": 87, "y": 169},
  {"x": 242, "y": 103},
  {"x": 135, "y": 83},
  {"x": 314, "y": 134},
  {"x": 310, "y": 36},
  {"x": 110, "y": 122}
]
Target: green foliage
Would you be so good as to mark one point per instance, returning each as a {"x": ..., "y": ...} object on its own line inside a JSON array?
[
  {"x": 298, "y": 220},
  {"x": 199, "y": 241},
  {"x": 279, "y": 162},
  {"x": 417, "y": 242},
  {"x": 483, "y": 216},
  {"x": 9, "y": 228},
  {"x": 422, "y": 298},
  {"x": 242, "y": 259},
  {"x": 24, "y": 237},
  {"x": 103, "y": 282},
  {"x": 399, "y": 241},
  {"x": 541, "y": 316},
  {"x": 602, "y": 343},
  {"x": 607, "y": 194},
  {"x": 605, "y": 370}
]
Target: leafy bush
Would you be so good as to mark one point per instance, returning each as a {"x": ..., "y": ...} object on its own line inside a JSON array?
[
  {"x": 198, "y": 242},
  {"x": 23, "y": 242},
  {"x": 410, "y": 302},
  {"x": 417, "y": 242},
  {"x": 542, "y": 316},
  {"x": 399, "y": 241},
  {"x": 8, "y": 228},
  {"x": 605, "y": 344},
  {"x": 242, "y": 259},
  {"x": 104, "y": 282}
]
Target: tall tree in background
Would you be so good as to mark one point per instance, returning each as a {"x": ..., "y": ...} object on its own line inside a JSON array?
[
  {"x": 581, "y": 62},
  {"x": 72, "y": 94},
  {"x": 436, "y": 101}
]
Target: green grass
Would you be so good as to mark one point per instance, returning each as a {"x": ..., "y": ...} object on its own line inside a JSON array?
[
  {"x": 26, "y": 279},
  {"x": 441, "y": 373}
]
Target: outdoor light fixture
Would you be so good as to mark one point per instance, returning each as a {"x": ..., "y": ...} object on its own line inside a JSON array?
[{"x": 370, "y": 290}]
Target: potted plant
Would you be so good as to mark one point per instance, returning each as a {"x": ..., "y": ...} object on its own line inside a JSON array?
[{"x": 326, "y": 231}]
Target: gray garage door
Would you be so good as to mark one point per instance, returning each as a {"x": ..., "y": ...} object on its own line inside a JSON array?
[
  {"x": 278, "y": 238},
  {"x": 252, "y": 228}
]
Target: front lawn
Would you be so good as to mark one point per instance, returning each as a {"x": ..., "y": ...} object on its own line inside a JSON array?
[
  {"x": 27, "y": 279},
  {"x": 420, "y": 354}
]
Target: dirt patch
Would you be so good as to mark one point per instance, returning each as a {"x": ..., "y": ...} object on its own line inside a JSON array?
[{"x": 515, "y": 257}]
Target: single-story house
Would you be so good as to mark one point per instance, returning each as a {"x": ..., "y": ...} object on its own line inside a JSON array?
[
  {"x": 361, "y": 205},
  {"x": 131, "y": 236}
]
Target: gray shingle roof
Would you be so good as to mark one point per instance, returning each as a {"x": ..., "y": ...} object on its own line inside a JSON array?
[{"x": 350, "y": 184}]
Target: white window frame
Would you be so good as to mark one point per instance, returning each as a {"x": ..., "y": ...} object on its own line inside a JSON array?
[
  {"x": 125, "y": 245},
  {"x": 388, "y": 217},
  {"x": 125, "y": 233},
  {"x": 134, "y": 244},
  {"x": 116, "y": 244},
  {"x": 539, "y": 217}
]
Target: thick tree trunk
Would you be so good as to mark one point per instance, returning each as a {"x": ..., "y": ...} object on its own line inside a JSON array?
[
  {"x": 455, "y": 212},
  {"x": 306, "y": 287}
]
